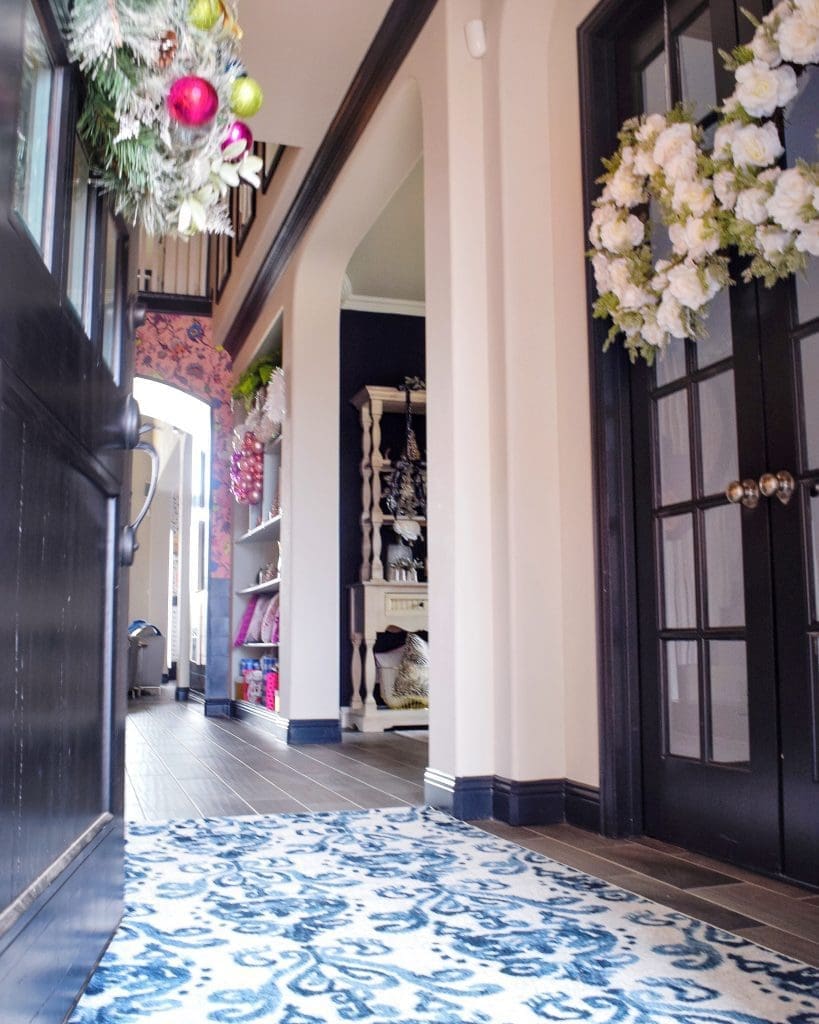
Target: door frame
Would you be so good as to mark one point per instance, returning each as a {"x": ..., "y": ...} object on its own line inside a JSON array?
[{"x": 610, "y": 380}]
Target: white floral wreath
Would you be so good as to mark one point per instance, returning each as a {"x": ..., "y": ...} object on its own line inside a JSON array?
[{"x": 735, "y": 196}]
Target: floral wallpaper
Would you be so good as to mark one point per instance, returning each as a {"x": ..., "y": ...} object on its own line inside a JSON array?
[{"x": 179, "y": 350}]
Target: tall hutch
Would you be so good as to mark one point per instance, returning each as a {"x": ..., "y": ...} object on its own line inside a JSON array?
[{"x": 377, "y": 603}]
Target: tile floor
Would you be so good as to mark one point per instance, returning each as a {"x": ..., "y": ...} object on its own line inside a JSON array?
[{"x": 181, "y": 764}]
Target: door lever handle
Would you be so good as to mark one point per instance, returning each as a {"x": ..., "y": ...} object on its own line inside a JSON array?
[
  {"x": 128, "y": 543},
  {"x": 781, "y": 484},
  {"x": 743, "y": 492}
]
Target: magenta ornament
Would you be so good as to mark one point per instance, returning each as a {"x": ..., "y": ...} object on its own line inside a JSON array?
[
  {"x": 254, "y": 497},
  {"x": 258, "y": 447},
  {"x": 192, "y": 101},
  {"x": 238, "y": 131}
]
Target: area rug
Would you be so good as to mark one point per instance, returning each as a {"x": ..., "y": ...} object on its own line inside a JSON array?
[{"x": 409, "y": 917}]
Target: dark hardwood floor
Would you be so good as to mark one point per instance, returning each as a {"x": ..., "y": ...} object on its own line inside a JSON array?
[{"x": 181, "y": 764}]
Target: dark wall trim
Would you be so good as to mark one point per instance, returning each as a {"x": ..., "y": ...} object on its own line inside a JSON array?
[
  {"x": 610, "y": 383},
  {"x": 186, "y": 305},
  {"x": 399, "y": 30},
  {"x": 528, "y": 803},
  {"x": 536, "y": 802},
  {"x": 293, "y": 731},
  {"x": 582, "y": 806},
  {"x": 313, "y": 730},
  {"x": 469, "y": 799},
  {"x": 217, "y": 707}
]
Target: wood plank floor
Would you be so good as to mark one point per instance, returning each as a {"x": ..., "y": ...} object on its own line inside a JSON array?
[{"x": 181, "y": 764}]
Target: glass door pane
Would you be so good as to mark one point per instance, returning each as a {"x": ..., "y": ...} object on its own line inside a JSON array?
[{"x": 32, "y": 130}]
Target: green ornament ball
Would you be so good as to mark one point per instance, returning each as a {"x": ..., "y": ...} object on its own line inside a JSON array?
[
  {"x": 203, "y": 14},
  {"x": 246, "y": 97}
]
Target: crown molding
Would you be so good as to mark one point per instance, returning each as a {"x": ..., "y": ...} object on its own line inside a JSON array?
[
  {"x": 393, "y": 41},
  {"x": 376, "y": 304}
]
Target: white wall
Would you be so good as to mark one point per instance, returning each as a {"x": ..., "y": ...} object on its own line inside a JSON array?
[{"x": 512, "y": 599}]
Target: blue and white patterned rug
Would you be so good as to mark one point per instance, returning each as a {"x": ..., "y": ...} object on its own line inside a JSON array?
[{"x": 409, "y": 917}]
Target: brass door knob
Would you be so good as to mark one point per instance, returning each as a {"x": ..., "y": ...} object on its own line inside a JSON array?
[
  {"x": 781, "y": 484},
  {"x": 743, "y": 492}
]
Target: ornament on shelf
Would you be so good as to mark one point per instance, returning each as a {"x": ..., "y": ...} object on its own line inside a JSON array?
[
  {"x": 204, "y": 14},
  {"x": 168, "y": 45},
  {"x": 247, "y": 470},
  {"x": 192, "y": 101},
  {"x": 237, "y": 141},
  {"x": 246, "y": 97}
]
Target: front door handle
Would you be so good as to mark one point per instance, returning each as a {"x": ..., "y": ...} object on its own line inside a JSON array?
[
  {"x": 743, "y": 492},
  {"x": 781, "y": 484},
  {"x": 128, "y": 543}
]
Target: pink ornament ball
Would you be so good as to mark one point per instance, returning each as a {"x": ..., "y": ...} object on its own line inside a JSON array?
[
  {"x": 238, "y": 131},
  {"x": 258, "y": 447},
  {"x": 192, "y": 101},
  {"x": 254, "y": 497},
  {"x": 248, "y": 441}
]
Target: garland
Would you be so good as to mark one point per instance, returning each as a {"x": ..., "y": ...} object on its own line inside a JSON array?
[
  {"x": 164, "y": 87},
  {"x": 735, "y": 196}
]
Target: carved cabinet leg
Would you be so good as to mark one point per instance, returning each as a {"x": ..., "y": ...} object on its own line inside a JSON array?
[
  {"x": 355, "y": 672},
  {"x": 369, "y": 674}
]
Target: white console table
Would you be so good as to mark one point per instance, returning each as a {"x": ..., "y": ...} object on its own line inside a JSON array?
[{"x": 374, "y": 607}]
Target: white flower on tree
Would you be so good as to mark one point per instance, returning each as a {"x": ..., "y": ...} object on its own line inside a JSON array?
[
  {"x": 757, "y": 145},
  {"x": 676, "y": 152},
  {"x": 690, "y": 286},
  {"x": 793, "y": 192},
  {"x": 799, "y": 40},
  {"x": 772, "y": 241},
  {"x": 761, "y": 89},
  {"x": 809, "y": 9},
  {"x": 751, "y": 205},
  {"x": 695, "y": 238},
  {"x": 807, "y": 240},
  {"x": 622, "y": 234}
]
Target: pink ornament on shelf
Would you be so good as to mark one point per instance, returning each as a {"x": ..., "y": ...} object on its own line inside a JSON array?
[
  {"x": 192, "y": 101},
  {"x": 238, "y": 131},
  {"x": 258, "y": 447},
  {"x": 254, "y": 497}
]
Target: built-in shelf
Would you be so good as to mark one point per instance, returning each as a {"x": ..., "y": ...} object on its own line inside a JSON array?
[
  {"x": 387, "y": 520},
  {"x": 262, "y": 588},
  {"x": 267, "y": 530},
  {"x": 260, "y": 645}
]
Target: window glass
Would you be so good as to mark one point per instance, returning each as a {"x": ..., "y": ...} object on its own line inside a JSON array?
[
  {"x": 682, "y": 696},
  {"x": 673, "y": 448},
  {"x": 679, "y": 579},
  {"x": 800, "y": 143},
  {"x": 654, "y": 86},
  {"x": 730, "y": 743},
  {"x": 696, "y": 58},
  {"x": 32, "y": 130},
  {"x": 110, "y": 305},
  {"x": 78, "y": 233},
  {"x": 718, "y": 433}
]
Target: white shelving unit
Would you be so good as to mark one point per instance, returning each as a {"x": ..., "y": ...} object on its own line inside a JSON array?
[
  {"x": 376, "y": 603},
  {"x": 256, "y": 534}
]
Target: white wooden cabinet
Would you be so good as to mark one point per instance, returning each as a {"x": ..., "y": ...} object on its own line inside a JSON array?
[{"x": 376, "y": 603}]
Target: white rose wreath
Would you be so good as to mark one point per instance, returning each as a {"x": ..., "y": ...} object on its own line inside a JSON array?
[
  {"x": 736, "y": 196},
  {"x": 659, "y": 157},
  {"x": 775, "y": 212}
]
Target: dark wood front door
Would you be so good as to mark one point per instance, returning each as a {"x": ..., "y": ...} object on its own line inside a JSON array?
[
  {"x": 63, "y": 394},
  {"x": 728, "y": 593}
]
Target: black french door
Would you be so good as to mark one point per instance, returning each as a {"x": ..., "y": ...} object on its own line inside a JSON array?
[
  {"x": 726, "y": 478},
  {"x": 64, "y": 384}
]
